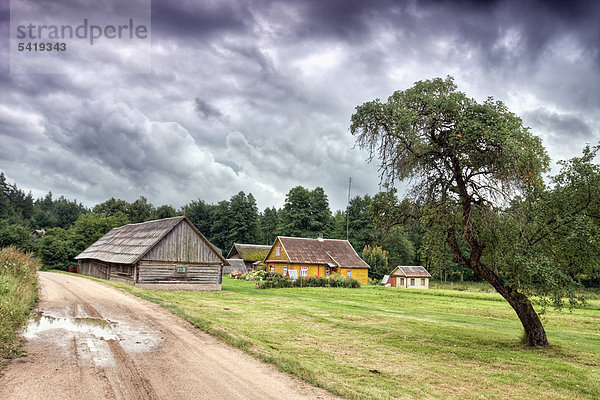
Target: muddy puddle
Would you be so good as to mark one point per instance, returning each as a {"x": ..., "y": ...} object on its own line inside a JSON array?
[
  {"x": 91, "y": 336},
  {"x": 99, "y": 328}
]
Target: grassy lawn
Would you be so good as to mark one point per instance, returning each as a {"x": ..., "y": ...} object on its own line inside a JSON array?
[{"x": 382, "y": 343}]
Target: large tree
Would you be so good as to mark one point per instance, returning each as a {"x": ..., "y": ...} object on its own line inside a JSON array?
[{"x": 470, "y": 163}]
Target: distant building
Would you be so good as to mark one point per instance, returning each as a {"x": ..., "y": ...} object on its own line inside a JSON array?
[
  {"x": 168, "y": 253},
  {"x": 236, "y": 265},
  {"x": 316, "y": 257},
  {"x": 37, "y": 234},
  {"x": 409, "y": 277},
  {"x": 252, "y": 254}
]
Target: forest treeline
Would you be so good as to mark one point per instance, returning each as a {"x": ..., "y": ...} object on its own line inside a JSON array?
[{"x": 377, "y": 226}]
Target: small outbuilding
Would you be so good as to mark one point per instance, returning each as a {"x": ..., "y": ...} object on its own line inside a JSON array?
[
  {"x": 168, "y": 253},
  {"x": 409, "y": 277},
  {"x": 236, "y": 265},
  {"x": 252, "y": 254}
]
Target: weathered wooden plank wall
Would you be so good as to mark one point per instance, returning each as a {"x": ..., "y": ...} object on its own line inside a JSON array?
[
  {"x": 182, "y": 245},
  {"x": 153, "y": 272}
]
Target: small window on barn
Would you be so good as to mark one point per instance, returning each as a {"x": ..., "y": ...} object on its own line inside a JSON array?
[
  {"x": 181, "y": 270},
  {"x": 303, "y": 271},
  {"x": 422, "y": 281},
  {"x": 412, "y": 282},
  {"x": 349, "y": 273},
  {"x": 277, "y": 251}
]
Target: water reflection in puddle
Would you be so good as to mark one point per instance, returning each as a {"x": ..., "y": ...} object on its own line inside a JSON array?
[{"x": 100, "y": 328}]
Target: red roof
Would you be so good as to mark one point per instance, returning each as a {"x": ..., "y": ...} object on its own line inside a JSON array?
[{"x": 321, "y": 251}]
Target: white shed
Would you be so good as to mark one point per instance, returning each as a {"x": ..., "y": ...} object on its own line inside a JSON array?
[{"x": 410, "y": 277}]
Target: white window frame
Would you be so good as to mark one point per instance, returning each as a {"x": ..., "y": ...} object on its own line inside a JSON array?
[
  {"x": 272, "y": 269},
  {"x": 349, "y": 273},
  {"x": 327, "y": 271},
  {"x": 278, "y": 250},
  {"x": 412, "y": 281},
  {"x": 285, "y": 269},
  {"x": 422, "y": 281},
  {"x": 304, "y": 271}
]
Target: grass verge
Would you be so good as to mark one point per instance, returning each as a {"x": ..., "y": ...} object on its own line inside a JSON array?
[
  {"x": 18, "y": 296},
  {"x": 384, "y": 343}
]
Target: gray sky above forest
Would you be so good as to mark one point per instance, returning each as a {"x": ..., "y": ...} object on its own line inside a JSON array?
[{"x": 257, "y": 95}]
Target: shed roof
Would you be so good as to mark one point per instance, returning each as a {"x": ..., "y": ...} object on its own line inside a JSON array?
[
  {"x": 410, "y": 272},
  {"x": 127, "y": 244},
  {"x": 249, "y": 252},
  {"x": 235, "y": 264},
  {"x": 321, "y": 251}
]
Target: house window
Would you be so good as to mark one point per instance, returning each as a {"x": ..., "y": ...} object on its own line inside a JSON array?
[
  {"x": 422, "y": 281},
  {"x": 272, "y": 269},
  {"x": 284, "y": 270},
  {"x": 277, "y": 251},
  {"x": 327, "y": 271},
  {"x": 412, "y": 282},
  {"x": 349, "y": 273},
  {"x": 402, "y": 281},
  {"x": 303, "y": 271},
  {"x": 181, "y": 270}
]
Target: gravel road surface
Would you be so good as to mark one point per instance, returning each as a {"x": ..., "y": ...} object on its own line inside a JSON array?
[{"x": 91, "y": 341}]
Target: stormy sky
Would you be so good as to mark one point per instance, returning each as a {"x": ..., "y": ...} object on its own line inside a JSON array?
[{"x": 257, "y": 95}]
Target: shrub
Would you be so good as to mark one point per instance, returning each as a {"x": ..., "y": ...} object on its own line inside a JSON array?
[{"x": 279, "y": 281}]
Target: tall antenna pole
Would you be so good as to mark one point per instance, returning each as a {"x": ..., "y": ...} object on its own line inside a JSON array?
[{"x": 347, "y": 216}]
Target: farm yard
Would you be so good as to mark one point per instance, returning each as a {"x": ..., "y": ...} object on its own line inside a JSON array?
[{"x": 381, "y": 343}]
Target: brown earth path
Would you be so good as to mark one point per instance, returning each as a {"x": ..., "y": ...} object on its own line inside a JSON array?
[{"x": 91, "y": 341}]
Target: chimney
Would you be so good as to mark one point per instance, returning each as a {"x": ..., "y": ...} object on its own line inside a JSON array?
[{"x": 320, "y": 238}]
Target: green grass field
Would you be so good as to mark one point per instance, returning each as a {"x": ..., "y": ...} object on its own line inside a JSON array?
[{"x": 382, "y": 343}]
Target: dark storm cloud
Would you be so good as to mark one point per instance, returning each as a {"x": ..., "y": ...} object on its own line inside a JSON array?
[
  {"x": 207, "y": 110},
  {"x": 257, "y": 95},
  {"x": 567, "y": 126}
]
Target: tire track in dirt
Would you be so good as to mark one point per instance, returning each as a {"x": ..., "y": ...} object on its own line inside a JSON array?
[
  {"x": 138, "y": 350},
  {"x": 138, "y": 388}
]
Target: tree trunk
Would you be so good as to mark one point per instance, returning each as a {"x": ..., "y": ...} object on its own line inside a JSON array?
[{"x": 534, "y": 330}]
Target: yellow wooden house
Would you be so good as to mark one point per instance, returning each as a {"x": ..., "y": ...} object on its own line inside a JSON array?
[{"x": 316, "y": 257}]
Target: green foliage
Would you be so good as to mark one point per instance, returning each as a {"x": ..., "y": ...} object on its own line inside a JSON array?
[
  {"x": 269, "y": 225},
  {"x": 140, "y": 210},
  {"x": 18, "y": 295},
  {"x": 243, "y": 219},
  {"x": 111, "y": 206},
  {"x": 306, "y": 213},
  {"x": 377, "y": 258},
  {"x": 55, "y": 249},
  {"x": 15, "y": 235},
  {"x": 199, "y": 214},
  {"x": 164, "y": 211},
  {"x": 58, "y": 247},
  {"x": 277, "y": 281},
  {"x": 468, "y": 161}
]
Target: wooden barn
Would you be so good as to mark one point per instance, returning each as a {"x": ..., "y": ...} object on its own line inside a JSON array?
[
  {"x": 252, "y": 254},
  {"x": 168, "y": 253}
]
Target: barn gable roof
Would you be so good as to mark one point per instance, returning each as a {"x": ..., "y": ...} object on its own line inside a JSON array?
[
  {"x": 127, "y": 244},
  {"x": 321, "y": 251},
  {"x": 249, "y": 252},
  {"x": 410, "y": 272}
]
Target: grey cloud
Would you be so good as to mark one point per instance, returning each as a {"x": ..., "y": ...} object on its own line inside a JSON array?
[
  {"x": 206, "y": 110},
  {"x": 568, "y": 126}
]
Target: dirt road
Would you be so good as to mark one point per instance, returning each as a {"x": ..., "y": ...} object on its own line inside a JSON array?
[{"x": 91, "y": 341}]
